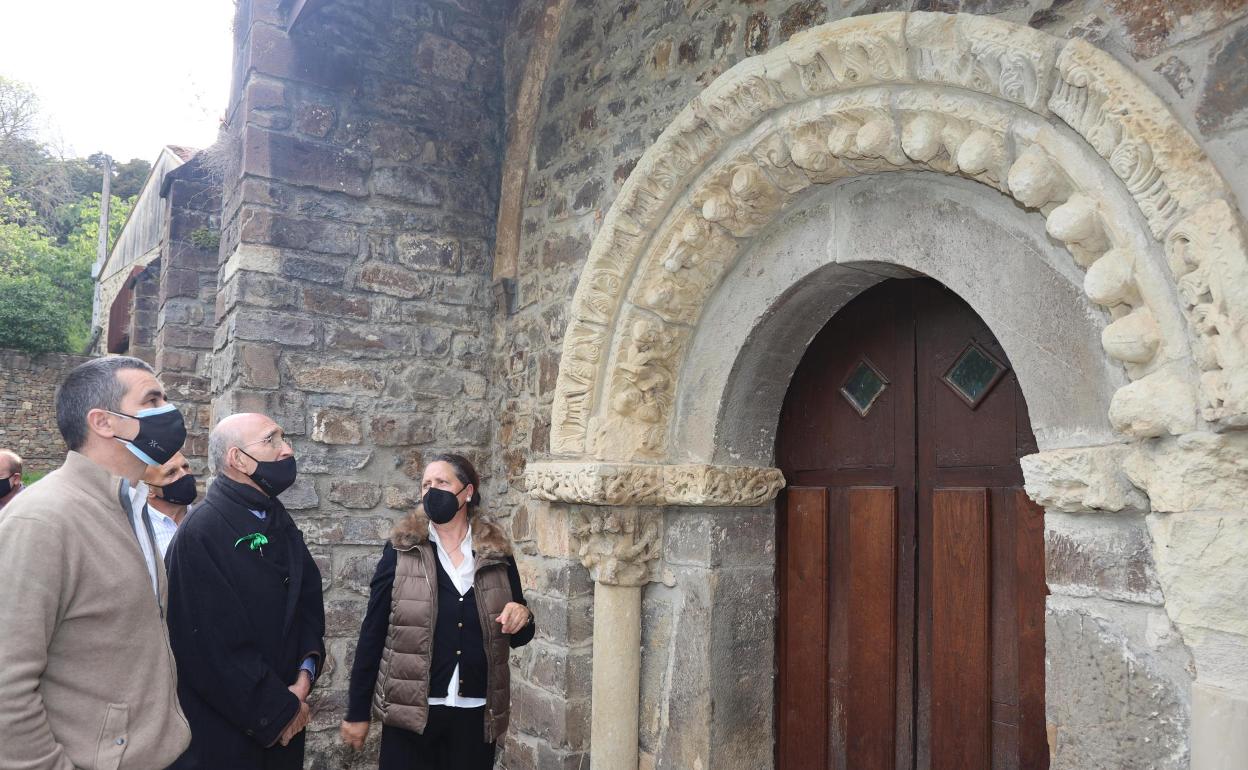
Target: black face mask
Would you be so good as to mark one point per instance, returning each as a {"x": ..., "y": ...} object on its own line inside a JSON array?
[
  {"x": 273, "y": 476},
  {"x": 6, "y": 487},
  {"x": 162, "y": 433},
  {"x": 180, "y": 492},
  {"x": 440, "y": 505}
]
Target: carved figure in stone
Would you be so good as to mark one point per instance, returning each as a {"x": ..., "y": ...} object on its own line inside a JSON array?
[{"x": 617, "y": 544}]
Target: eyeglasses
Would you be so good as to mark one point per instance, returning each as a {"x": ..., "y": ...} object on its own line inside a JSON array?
[{"x": 275, "y": 440}]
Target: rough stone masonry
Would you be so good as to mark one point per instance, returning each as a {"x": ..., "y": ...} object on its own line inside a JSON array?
[{"x": 363, "y": 299}]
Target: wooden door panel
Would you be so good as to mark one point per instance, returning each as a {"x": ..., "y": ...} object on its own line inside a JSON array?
[
  {"x": 1033, "y": 745},
  {"x": 804, "y": 643},
  {"x": 960, "y": 655},
  {"x": 932, "y": 580},
  {"x": 815, "y": 408},
  {"x": 871, "y": 529}
]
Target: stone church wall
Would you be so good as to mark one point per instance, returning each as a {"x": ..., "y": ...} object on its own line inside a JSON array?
[
  {"x": 354, "y": 303},
  {"x": 28, "y": 406},
  {"x": 618, "y": 73}
]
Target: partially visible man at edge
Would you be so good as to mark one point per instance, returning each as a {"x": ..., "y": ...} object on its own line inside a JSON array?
[
  {"x": 10, "y": 476},
  {"x": 246, "y": 615},
  {"x": 87, "y": 678},
  {"x": 169, "y": 489}
]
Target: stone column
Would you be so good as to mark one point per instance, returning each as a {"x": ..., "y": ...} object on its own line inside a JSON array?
[
  {"x": 619, "y": 545},
  {"x": 617, "y": 526}
]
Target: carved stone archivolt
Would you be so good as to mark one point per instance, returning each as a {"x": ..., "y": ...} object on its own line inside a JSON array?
[{"x": 956, "y": 94}]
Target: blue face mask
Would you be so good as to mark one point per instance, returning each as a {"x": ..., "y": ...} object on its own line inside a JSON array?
[{"x": 161, "y": 434}]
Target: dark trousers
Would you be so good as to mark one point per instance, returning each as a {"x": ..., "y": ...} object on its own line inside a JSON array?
[{"x": 454, "y": 739}]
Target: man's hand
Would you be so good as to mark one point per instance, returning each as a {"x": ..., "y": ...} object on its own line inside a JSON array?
[
  {"x": 514, "y": 617},
  {"x": 353, "y": 734},
  {"x": 297, "y": 724},
  {"x": 302, "y": 686}
]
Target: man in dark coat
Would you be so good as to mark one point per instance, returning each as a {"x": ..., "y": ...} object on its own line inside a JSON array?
[{"x": 246, "y": 616}]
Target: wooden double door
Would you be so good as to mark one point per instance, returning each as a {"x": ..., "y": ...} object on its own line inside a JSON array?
[{"x": 911, "y": 563}]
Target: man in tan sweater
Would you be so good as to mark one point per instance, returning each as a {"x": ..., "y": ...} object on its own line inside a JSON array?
[{"x": 87, "y": 679}]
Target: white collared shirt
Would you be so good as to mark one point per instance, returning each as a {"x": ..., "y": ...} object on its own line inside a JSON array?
[
  {"x": 462, "y": 577},
  {"x": 138, "y": 502},
  {"x": 164, "y": 528}
]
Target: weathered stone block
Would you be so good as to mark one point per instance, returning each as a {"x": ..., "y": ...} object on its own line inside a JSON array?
[
  {"x": 442, "y": 58},
  {"x": 315, "y": 374},
  {"x": 1105, "y": 556},
  {"x": 400, "y": 429},
  {"x": 267, "y": 228},
  {"x": 1116, "y": 687},
  {"x": 301, "y": 162},
  {"x": 429, "y": 252},
  {"x": 325, "y": 301},
  {"x": 562, "y": 723},
  {"x": 360, "y": 340},
  {"x": 408, "y": 185},
  {"x": 333, "y": 426},
  {"x": 393, "y": 280},
  {"x": 1198, "y": 471},
  {"x": 301, "y": 495},
  {"x": 343, "y": 616},
  {"x": 1083, "y": 479},
  {"x": 1200, "y": 558},
  {"x": 356, "y": 573},
  {"x": 355, "y": 494},
  {"x": 1224, "y": 102},
  {"x": 332, "y": 460}
]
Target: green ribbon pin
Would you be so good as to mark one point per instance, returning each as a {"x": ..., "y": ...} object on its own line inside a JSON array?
[{"x": 255, "y": 540}]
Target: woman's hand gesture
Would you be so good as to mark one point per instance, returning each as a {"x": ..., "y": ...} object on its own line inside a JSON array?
[
  {"x": 514, "y": 617},
  {"x": 353, "y": 734}
]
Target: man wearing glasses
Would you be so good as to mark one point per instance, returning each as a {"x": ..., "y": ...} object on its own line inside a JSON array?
[{"x": 246, "y": 616}]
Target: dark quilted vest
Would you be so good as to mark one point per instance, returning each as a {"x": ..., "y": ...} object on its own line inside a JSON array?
[{"x": 401, "y": 697}]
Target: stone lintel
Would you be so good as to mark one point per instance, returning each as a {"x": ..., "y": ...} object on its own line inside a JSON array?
[{"x": 634, "y": 484}]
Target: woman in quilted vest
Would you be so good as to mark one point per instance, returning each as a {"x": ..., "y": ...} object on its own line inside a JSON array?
[{"x": 445, "y": 609}]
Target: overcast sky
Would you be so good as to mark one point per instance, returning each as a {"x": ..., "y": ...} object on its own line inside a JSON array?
[{"x": 122, "y": 76}]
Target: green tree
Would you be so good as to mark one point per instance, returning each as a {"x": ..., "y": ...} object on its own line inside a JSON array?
[
  {"x": 31, "y": 315},
  {"x": 128, "y": 177},
  {"x": 46, "y": 296}
]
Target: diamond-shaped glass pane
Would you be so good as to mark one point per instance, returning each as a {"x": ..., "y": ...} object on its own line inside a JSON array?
[
  {"x": 974, "y": 374},
  {"x": 863, "y": 386}
]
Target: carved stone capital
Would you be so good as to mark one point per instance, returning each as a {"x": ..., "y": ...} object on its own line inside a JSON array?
[
  {"x": 619, "y": 545},
  {"x": 591, "y": 483}
]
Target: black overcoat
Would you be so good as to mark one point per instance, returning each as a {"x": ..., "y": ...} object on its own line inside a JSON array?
[{"x": 241, "y": 621}]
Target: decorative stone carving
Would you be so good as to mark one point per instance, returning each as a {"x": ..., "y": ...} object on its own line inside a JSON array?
[
  {"x": 1084, "y": 479},
  {"x": 849, "y": 54},
  {"x": 1208, "y": 254},
  {"x": 1012, "y": 62},
  {"x": 1161, "y": 164},
  {"x": 1110, "y": 281},
  {"x": 656, "y": 485},
  {"x": 809, "y": 112},
  {"x": 642, "y": 385},
  {"x": 1133, "y": 338},
  {"x": 1077, "y": 223},
  {"x": 1158, "y": 404},
  {"x": 1035, "y": 179},
  {"x": 620, "y": 544}
]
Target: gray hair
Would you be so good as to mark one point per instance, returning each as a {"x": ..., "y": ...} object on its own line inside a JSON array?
[
  {"x": 12, "y": 463},
  {"x": 222, "y": 437},
  {"x": 91, "y": 385}
]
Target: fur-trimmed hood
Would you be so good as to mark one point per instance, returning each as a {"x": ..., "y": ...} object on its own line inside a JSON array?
[{"x": 488, "y": 538}]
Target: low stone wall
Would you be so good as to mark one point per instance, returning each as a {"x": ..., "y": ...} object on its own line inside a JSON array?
[{"x": 27, "y": 406}]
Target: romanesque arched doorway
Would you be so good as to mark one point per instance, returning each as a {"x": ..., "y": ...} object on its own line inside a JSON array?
[{"x": 911, "y": 562}]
